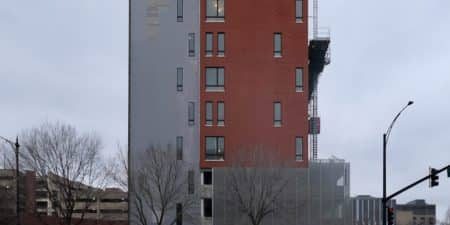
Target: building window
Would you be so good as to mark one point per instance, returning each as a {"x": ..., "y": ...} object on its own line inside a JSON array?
[
  {"x": 207, "y": 207},
  {"x": 191, "y": 113},
  {"x": 220, "y": 44},
  {"x": 214, "y": 148},
  {"x": 215, "y": 9},
  {"x": 277, "y": 114},
  {"x": 207, "y": 177},
  {"x": 277, "y": 45},
  {"x": 209, "y": 44},
  {"x": 179, "y": 10},
  {"x": 191, "y": 44},
  {"x": 179, "y": 79},
  {"x": 209, "y": 113},
  {"x": 179, "y": 214},
  {"x": 191, "y": 185},
  {"x": 215, "y": 79},
  {"x": 179, "y": 148},
  {"x": 299, "y": 10},
  {"x": 299, "y": 79},
  {"x": 298, "y": 148},
  {"x": 220, "y": 113}
]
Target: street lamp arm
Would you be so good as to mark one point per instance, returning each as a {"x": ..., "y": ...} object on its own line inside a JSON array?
[
  {"x": 388, "y": 132},
  {"x": 7, "y": 140}
]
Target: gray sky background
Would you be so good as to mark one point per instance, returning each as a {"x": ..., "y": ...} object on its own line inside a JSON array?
[{"x": 67, "y": 60}]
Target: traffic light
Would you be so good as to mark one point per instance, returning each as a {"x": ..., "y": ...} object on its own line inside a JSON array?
[
  {"x": 434, "y": 179},
  {"x": 390, "y": 216}
]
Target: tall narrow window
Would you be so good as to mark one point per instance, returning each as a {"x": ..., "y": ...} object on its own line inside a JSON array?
[
  {"x": 179, "y": 79},
  {"x": 191, "y": 44},
  {"x": 179, "y": 214},
  {"x": 277, "y": 45},
  {"x": 180, "y": 10},
  {"x": 277, "y": 114},
  {"x": 299, "y": 79},
  {"x": 299, "y": 148},
  {"x": 207, "y": 177},
  {"x": 209, "y": 113},
  {"x": 191, "y": 184},
  {"x": 220, "y": 44},
  {"x": 214, "y": 148},
  {"x": 299, "y": 10},
  {"x": 191, "y": 113},
  {"x": 207, "y": 207},
  {"x": 215, "y": 79},
  {"x": 209, "y": 44},
  {"x": 179, "y": 148},
  {"x": 220, "y": 113},
  {"x": 215, "y": 9}
]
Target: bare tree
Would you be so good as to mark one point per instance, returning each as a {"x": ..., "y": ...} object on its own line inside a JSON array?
[
  {"x": 256, "y": 183},
  {"x": 162, "y": 189},
  {"x": 68, "y": 165},
  {"x": 117, "y": 168},
  {"x": 7, "y": 204}
]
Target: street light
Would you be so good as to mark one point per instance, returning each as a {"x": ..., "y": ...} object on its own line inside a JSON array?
[
  {"x": 385, "y": 140},
  {"x": 16, "y": 151}
]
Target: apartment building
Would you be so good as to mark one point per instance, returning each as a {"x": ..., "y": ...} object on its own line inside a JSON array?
[
  {"x": 367, "y": 210},
  {"x": 416, "y": 212},
  {"x": 216, "y": 77}
]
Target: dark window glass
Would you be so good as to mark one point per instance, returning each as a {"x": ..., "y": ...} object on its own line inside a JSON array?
[
  {"x": 221, "y": 44},
  {"x": 191, "y": 44},
  {"x": 207, "y": 177},
  {"x": 179, "y": 148},
  {"x": 299, "y": 79},
  {"x": 191, "y": 185},
  {"x": 277, "y": 44},
  {"x": 220, "y": 113},
  {"x": 209, "y": 44},
  {"x": 215, "y": 77},
  {"x": 277, "y": 113},
  {"x": 214, "y": 148},
  {"x": 299, "y": 148},
  {"x": 209, "y": 113},
  {"x": 179, "y": 214},
  {"x": 191, "y": 113},
  {"x": 207, "y": 207},
  {"x": 215, "y": 8},
  {"x": 298, "y": 9},
  {"x": 179, "y": 79}
]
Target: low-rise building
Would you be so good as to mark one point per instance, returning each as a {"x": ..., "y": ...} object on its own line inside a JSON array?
[{"x": 416, "y": 212}]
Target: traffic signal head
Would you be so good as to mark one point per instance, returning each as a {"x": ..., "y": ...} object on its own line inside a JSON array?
[
  {"x": 434, "y": 179},
  {"x": 390, "y": 215}
]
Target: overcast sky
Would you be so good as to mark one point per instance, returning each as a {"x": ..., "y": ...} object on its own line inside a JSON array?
[{"x": 67, "y": 60}]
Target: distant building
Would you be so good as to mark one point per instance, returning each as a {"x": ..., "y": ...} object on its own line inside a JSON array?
[
  {"x": 416, "y": 212},
  {"x": 367, "y": 210}
]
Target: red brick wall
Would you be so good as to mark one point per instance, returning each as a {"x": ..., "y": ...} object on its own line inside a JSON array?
[{"x": 254, "y": 79}]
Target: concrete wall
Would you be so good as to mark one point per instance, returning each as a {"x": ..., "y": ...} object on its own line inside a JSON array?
[{"x": 158, "y": 113}]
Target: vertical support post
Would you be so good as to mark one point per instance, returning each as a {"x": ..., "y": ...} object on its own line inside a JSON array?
[
  {"x": 17, "y": 181},
  {"x": 384, "y": 180}
]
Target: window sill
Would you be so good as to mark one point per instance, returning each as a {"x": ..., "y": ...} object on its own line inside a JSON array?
[
  {"x": 298, "y": 20},
  {"x": 215, "y": 20},
  {"x": 297, "y": 89},
  {"x": 208, "y": 125},
  {"x": 277, "y": 55},
  {"x": 208, "y": 55},
  {"x": 221, "y": 55},
  {"x": 215, "y": 89},
  {"x": 179, "y": 19},
  {"x": 214, "y": 160},
  {"x": 220, "y": 124},
  {"x": 277, "y": 125}
]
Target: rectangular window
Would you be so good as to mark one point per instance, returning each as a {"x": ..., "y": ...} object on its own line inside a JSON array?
[
  {"x": 299, "y": 10},
  {"x": 207, "y": 207},
  {"x": 207, "y": 177},
  {"x": 299, "y": 79},
  {"x": 209, "y": 113},
  {"x": 179, "y": 214},
  {"x": 214, "y": 148},
  {"x": 215, "y": 9},
  {"x": 191, "y": 184},
  {"x": 179, "y": 148},
  {"x": 220, "y": 44},
  {"x": 299, "y": 148},
  {"x": 209, "y": 44},
  {"x": 277, "y": 114},
  {"x": 215, "y": 78},
  {"x": 277, "y": 45},
  {"x": 179, "y": 10},
  {"x": 191, "y": 44},
  {"x": 220, "y": 113},
  {"x": 179, "y": 79},
  {"x": 191, "y": 113}
]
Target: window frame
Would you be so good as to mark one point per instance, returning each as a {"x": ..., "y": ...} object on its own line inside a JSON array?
[
  {"x": 217, "y": 156},
  {"x": 180, "y": 10},
  {"x": 299, "y": 14},
  {"x": 220, "y": 52},
  {"x": 216, "y": 16},
  {"x": 191, "y": 182},
  {"x": 216, "y": 86},
  {"x": 277, "y": 122},
  {"x": 191, "y": 43},
  {"x": 209, "y": 121},
  {"x": 220, "y": 121},
  {"x": 210, "y": 200},
  {"x": 191, "y": 113},
  {"x": 180, "y": 72},
  {"x": 179, "y": 147},
  {"x": 299, "y": 155},
  {"x": 209, "y": 52},
  {"x": 299, "y": 88},
  {"x": 277, "y": 53},
  {"x": 203, "y": 177},
  {"x": 179, "y": 214}
]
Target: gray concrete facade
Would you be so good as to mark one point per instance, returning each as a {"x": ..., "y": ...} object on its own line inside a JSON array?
[{"x": 158, "y": 112}]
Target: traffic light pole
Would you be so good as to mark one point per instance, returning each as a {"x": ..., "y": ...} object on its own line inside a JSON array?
[
  {"x": 383, "y": 200},
  {"x": 415, "y": 183}
]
